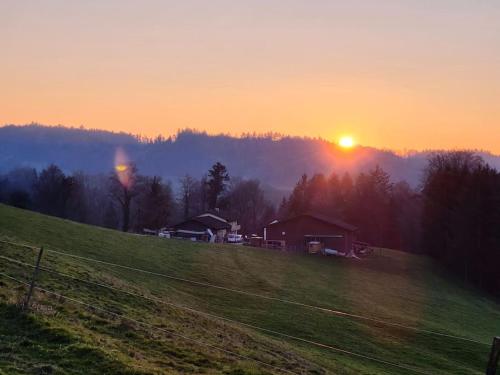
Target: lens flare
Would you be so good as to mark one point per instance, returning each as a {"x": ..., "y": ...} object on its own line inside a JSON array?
[{"x": 123, "y": 168}]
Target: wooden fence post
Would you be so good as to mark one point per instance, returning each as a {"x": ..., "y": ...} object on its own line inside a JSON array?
[
  {"x": 494, "y": 357},
  {"x": 26, "y": 303}
]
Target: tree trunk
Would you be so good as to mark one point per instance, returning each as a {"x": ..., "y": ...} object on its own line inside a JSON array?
[{"x": 126, "y": 213}]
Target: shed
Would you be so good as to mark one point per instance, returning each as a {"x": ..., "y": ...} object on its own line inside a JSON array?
[
  {"x": 203, "y": 227},
  {"x": 298, "y": 231}
]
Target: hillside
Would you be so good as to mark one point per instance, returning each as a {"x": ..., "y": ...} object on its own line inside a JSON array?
[
  {"x": 141, "y": 335},
  {"x": 93, "y": 151}
]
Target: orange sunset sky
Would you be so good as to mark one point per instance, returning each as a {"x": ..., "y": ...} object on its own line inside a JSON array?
[{"x": 393, "y": 74}]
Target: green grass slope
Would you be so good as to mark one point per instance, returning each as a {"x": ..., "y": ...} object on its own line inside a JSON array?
[{"x": 61, "y": 336}]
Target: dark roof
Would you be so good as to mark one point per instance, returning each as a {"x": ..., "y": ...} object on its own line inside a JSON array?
[
  {"x": 220, "y": 214},
  {"x": 321, "y": 217},
  {"x": 191, "y": 225},
  {"x": 212, "y": 223},
  {"x": 203, "y": 222}
]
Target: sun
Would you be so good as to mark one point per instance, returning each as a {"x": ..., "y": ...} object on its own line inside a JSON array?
[{"x": 347, "y": 141}]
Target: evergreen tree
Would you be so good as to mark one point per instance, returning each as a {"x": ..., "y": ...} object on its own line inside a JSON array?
[
  {"x": 298, "y": 203},
  {"x": 52, "y": 191},
  {"x": 216, "y": 183}
]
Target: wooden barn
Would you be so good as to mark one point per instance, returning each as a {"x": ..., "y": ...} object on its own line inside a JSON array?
[{"x": 310, "y": 232}]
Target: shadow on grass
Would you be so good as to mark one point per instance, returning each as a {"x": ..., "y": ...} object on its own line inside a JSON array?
[{"x": 28, "y": 346}]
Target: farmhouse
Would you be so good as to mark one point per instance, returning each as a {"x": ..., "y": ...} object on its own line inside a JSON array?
[
  {"x": 310, "y": 231},
  {"x": 206, "y": 227}
]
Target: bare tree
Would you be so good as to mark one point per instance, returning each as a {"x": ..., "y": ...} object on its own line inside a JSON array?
[
  {"x": 154, "y": 203},
  {"x": 123, "y": 189},
  {"x": 246, "y": 202},
  {"x": 187, "y": 192}
]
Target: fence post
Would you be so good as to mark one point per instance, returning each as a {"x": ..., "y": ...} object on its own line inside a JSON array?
[
  {"x": 26, "y": 303},
  {"x": 494, "y": 357}
]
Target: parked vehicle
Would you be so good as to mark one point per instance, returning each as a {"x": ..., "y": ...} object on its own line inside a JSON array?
[
  {"x": 234, "y": 238},
  {"x": 164, "y": 234}
]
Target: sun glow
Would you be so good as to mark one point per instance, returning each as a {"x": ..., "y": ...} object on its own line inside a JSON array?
[{"x": 346, "y": 141}]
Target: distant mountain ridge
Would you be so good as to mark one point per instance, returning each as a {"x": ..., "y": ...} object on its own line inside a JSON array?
[{"x": 276, "y": 161}]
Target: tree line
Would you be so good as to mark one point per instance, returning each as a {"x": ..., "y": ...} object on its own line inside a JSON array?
[
  {"x": 453, "y": 216},
  {"x": 127, "y": 200},
  {"x": 461, "y": 217}
]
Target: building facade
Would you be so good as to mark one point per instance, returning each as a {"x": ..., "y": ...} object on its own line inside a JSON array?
[
  {"x": 298, "y": 233},
  {"x": 205, "y": 227}
]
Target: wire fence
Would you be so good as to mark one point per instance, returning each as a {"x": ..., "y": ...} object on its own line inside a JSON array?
[
  {"x": 261, "y": 296},
  {"x": 221, "y": 318},
  {"x": 218, "y": 317},
  {"x": 151, "y": 326}
]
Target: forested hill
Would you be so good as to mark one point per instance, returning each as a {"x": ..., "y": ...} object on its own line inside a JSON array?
[{"x": 277, "y": 161}]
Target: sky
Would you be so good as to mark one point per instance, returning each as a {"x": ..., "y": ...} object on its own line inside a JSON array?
[{"x": 394, "y": 74}]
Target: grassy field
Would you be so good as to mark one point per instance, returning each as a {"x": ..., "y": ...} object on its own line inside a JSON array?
[{"x": 64, "y": 337}]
